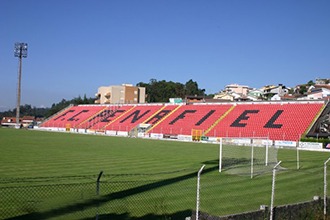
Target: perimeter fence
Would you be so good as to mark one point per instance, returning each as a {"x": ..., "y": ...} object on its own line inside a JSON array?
[
  {"x": 168, "y": 195},
  {"x": 156, "y": 196}
]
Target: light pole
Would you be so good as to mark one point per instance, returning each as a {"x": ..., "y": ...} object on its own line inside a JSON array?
[{"x": 20, "y": 51}]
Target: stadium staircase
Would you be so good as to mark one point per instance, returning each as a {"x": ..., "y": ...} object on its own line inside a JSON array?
[
  {"x": 155, "y": 128},
  {"x": 126, "y": 110},
  {"x": 218, "y": 120},
  {"x": 321, "y": 125},
  {"x": 94, "y": 119},
  {"x": 131, "y": 119},
  {"x": 153, "y": 115}
]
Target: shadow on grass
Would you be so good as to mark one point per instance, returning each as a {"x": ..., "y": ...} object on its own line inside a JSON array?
[
  {"x": 177, "y": 215},
  {"x": 228, "y": 163},
  {"x": 242, "y": 166},
  {"x": 111, "y": 197},
  {"x": 115, "y": 216}
]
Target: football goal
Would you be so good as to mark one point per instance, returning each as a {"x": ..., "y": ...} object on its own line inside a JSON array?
[{"x": 247, "y": 156}]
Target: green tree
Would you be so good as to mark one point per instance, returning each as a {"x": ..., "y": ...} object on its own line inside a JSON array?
[
  {"x": 302, "y": 89},
  {"x": 310, "y": 83},
  {"x": 191, "y": 88},
  {"x": 162, "y": 91},
  {"x": 28, "y": 110}
]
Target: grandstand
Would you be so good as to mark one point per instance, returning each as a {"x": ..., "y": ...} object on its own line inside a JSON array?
[
  {"x": 182, "y": 120},
  {"x": 287, "y": 121}
]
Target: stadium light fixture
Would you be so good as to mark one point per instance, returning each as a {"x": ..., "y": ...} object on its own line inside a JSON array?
[{"x": 20, "y": 51}]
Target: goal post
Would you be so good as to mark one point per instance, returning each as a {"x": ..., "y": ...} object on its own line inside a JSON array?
[{"x": 245, "y": 156}]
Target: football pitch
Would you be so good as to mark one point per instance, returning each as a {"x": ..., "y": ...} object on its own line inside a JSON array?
[{"x": 141, "y": 178}]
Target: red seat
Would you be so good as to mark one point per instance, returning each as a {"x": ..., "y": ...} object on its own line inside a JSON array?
[
  {"x": 73, "y": 116},
  {"x": 279, "y": 121},
  {"x": 189, "y": 117},
  {"x": 130, "y": 119},
  {"x": 275, "y": 120}
]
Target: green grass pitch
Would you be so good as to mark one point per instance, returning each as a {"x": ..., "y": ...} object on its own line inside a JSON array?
[{"x": 52, "y": 175}]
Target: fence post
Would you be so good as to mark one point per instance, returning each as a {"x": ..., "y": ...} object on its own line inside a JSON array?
[
  {"x": 98, "y": 183},
  {"x": 298, "y": 159},
  {"x": 98, "y": 193},
  {"x": 252, "y": 158},
  {"x": 198, "y": 189},
  {"x": 267, "y": 151},
  {"x": 273, "y": 191},
  {"x": 220, "y": 156},
  {"x": 325, "y": 189}
]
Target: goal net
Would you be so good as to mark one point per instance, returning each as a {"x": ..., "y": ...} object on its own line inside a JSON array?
[{"x": 247, "y": 156}]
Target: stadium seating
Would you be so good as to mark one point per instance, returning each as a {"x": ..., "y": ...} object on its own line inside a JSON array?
[
  {"x": 73, "y": 116},
  {"x": 130, "y": 119},
  {"x": 276, "y": 120},
  {"x": 189, "y": 117},
  {"x": 108, "y": 115}
]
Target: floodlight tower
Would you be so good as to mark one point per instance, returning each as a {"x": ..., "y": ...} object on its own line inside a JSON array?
[{"x": 20, "y": 51}]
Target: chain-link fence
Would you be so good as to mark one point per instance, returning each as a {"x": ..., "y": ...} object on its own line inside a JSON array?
[
  {"x": 241, "y": 197},
  {"x": 170, "y": 195},
  {"x": 156, "y": 196}
]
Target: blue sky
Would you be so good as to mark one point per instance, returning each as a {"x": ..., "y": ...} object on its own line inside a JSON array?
[{"x": 77, "y": 46}]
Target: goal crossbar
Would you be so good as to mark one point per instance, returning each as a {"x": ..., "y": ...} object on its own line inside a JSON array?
[{"x": 246, "y": 155}]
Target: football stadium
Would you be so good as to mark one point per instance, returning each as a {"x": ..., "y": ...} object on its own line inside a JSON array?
[
  {"x": 229, "y": 160},
  {"x": 164, "y": 110}
]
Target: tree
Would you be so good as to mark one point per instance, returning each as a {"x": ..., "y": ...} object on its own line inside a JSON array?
[
  {"x": 310, "y": 83},
  {"x": 64, "y": 103},
  {"x": 162, "y": 91},
  {"x": 28, "y": 110},
  {"x": 191, "y": 88},
  {"x": 302, "y": 89}
]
